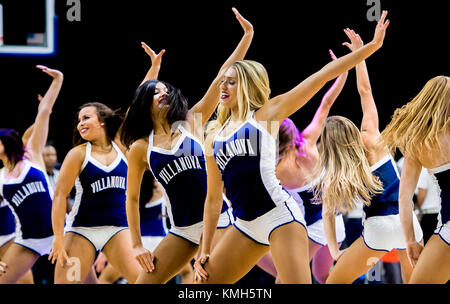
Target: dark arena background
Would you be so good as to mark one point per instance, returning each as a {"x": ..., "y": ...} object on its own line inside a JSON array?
[
  {"x": 100, "y": 54},
  {"x": 102, "y": 59}
]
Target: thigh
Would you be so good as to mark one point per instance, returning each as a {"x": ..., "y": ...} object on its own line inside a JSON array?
[
  {"x": 356, "y": 260},
  {"x": 119, "y": 253},
  {"x": 171, "y": 255},
  {"x": 289, "y": 247},
  {"x": 433, "y": 266},
  {"x": 109, "y": 274},
  {"x": 406, "y": 267},
  {"x": 233, "y": 257},
  {"x": 19, "y": 260},
  {"x": 218, "y": 236},
  {"x": 81, "y": 255},
  {"x": 5, "y": 247}
]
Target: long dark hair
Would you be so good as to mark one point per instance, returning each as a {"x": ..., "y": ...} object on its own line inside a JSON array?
[
  {"x": 13, "y": 145},
  {"x": 138, "y": 121},
  {"x": 112, "y": 120}
]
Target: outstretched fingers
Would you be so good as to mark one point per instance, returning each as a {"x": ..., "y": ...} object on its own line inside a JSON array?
[
  {"x": 246, "y": 25},
  {"x": 156, "y": 58}
]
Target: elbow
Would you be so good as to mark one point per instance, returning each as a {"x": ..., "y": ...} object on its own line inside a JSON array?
[
  {"x": 365, "y": 90},
  {"x": 45, "y": 110}
]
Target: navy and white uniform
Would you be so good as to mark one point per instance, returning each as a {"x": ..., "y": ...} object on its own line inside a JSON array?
[
  {"x": 381, "y": 219},
  {"x": 441, "y": 176},
  {"x": 7, "y": 223},
  {"x": 30, "y": 199},
  {"x": 182, "y": 173},
  {"x": 98, "y": 212},
  {"x": 313, "y": 214},
  {"x": 246, "y": 159}
]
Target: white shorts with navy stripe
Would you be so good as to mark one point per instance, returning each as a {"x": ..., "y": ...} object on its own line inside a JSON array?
[
  {"x": 317, "y": 234},
  {"x": 194, "y": 232},
  {"x": 260, "y": 228},
  {"x": 98, "y": 236},
  {"x": 443, "y": 231},
  {"x": 386, "y": 232},
  {"x": 151, "y": 242},
  {"x": 40, "y": 246}
]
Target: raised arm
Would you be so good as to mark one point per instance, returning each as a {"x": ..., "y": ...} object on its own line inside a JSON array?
[
  {"x": 156, "y": 63},
  {"x": 312, "y": 132},
  {"x": 369, "y": 124},
  {"x": 408, "y": 182},
  {"x": 137, "y": 164},
  {"x": 282, "y": 106},
  {"x": 208, "y": 103},
  {"x": 26, "y": 135},
  {"x": 68, "y": 174},
  {"x": 38, "y": 137},
  {"x": 213, "y": 205}
]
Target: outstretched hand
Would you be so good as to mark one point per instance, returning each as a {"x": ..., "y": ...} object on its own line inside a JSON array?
[
  {"x": 246, "y": 25},
  {"x": 355, "y": 40},
  {"x": 52, "y": 72},
  {"x": 156, "y": 58},
  {"x": 380, "y": 30}
]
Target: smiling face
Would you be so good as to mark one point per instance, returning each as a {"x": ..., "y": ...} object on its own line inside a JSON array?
[
  {"x": 89, "y": 125},
  {"x": 229, "y": 88},
  {"x": 160, "y": 99}
]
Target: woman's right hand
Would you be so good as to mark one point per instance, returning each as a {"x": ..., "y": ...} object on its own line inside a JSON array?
[
  {"x": 200, "y": 273},
  {"x": 144, "y": 257},
  {"x": 355, "y": 40},
  {"x": 336, "y": 255},
  {"x": 413, "y": 250},
  {"x": 58, "y": 252}
]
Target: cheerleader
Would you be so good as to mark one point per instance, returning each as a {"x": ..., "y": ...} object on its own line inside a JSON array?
[
  {"x": 174, "y": 154},
  {"x": 421, "y": 130},
  {"x": 358, "y": 168},
  {"x": 98, "y": 168},
  {"x": 241, "y": 159},
  {"x": 24, "y": 186},
  {"x": 297, "y": 159}
]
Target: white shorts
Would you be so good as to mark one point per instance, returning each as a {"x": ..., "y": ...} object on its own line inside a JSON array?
[
  {"x": 260, "y": 228},
  {"x": 317, "y": 234},
  {"x": 194, "y": 232},
  {"x": 6, "y": 238},
  {"x": 98, "y": 236},
  {"x": 151, "y": 242},
  {"x": 40, "y": 246},
  {"x": 444, "y": 232},
  {"x": 386, "y": 232},
  {"x": 226, "y": 219}
]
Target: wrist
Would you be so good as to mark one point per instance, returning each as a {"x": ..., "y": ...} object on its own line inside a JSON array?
[{"x": 58, "y": 237}]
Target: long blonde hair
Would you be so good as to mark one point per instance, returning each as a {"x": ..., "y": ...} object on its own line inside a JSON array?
[
  {"x": 348, "y": 178},
  {"x": 415, "y": 128},
  {"x": 252, "y": 93}
]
